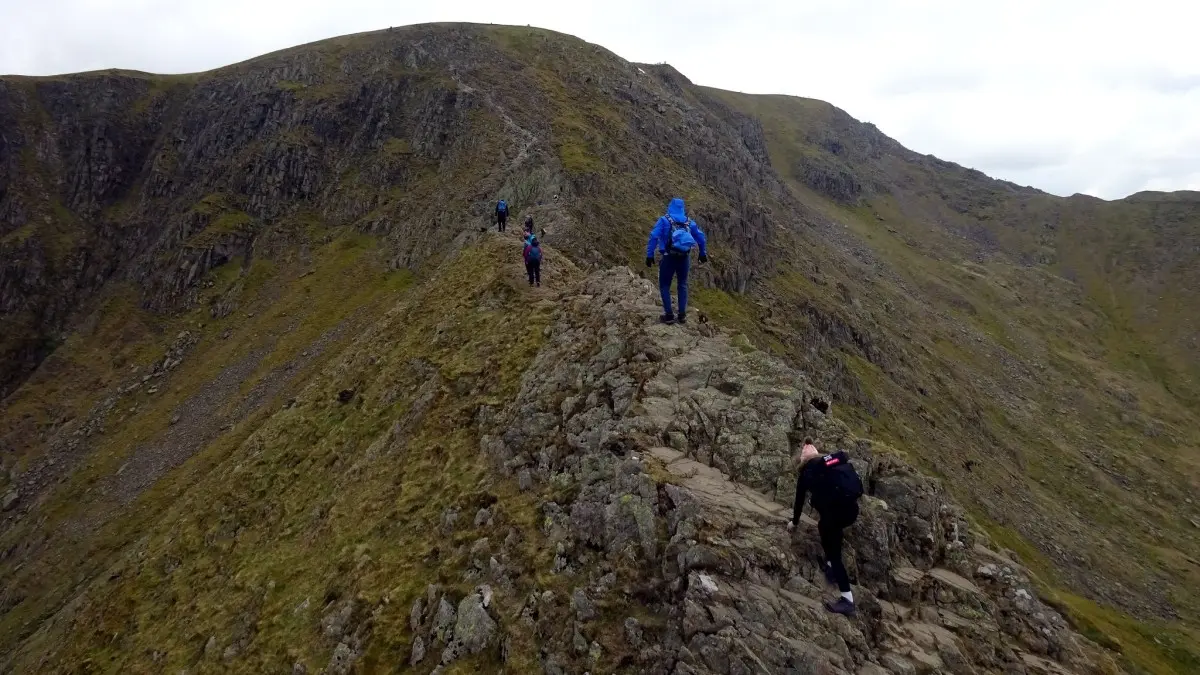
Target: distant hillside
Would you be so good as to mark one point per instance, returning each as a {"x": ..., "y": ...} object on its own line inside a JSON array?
[{"x": 225, "y": 296}]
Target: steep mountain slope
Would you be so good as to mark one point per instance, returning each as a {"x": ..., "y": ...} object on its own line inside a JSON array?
[{"x": 212, "y": 393}]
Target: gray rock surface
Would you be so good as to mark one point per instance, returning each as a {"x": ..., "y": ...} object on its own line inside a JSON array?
[
  {"x": 686, "y": 479},
  {"x": 474, "y": 631}
]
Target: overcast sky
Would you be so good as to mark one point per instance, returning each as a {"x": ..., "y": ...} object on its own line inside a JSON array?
[{"x": 1069, "y": 96}]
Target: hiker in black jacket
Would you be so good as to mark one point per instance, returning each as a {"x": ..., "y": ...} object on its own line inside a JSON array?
[{"x": 835, "y": 488}]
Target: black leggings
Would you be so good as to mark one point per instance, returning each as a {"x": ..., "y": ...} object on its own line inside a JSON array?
[
  {"x": 831, "y": 531},
  {"x": 501, "y": 221},
  {"x": 534, "y": 269}
]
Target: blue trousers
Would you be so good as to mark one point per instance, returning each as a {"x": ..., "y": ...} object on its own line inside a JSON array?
[{"x": 673, "y": 266}]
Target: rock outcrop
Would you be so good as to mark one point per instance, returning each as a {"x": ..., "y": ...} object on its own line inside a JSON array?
[{"x": 678, "y": 448}]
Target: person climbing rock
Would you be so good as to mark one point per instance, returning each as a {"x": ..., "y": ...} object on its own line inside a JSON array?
[
  {"x": 533, "y": 261},
  {"x": 501, "y": 215},
  {"x": 835, "y": 488},
  {"x": 528, "y": 227},
  {"x": 675, "y": 235}
]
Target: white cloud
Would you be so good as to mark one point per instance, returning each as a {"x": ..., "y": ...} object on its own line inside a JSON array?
[{"x": 1100, "y": 97}]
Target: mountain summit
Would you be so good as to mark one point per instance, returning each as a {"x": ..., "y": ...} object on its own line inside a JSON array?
[{"x": 275, "y": 397}]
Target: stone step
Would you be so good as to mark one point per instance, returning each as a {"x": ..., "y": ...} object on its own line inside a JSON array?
[
  {"x": 715, "y": 488},
  {"x": 895, "y": 612},
  {"x": 955, "y": 581},
  {"x": 930, "y": 636}
]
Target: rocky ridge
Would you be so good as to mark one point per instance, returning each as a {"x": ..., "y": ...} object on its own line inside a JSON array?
[{"x": 675, "y": 446}]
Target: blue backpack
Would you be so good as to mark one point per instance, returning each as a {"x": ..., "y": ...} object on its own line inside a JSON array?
[
  {"x": 681, "y": 240},
  {"x": 535, "y": 252},
  {"x": 502, "y": 207}
]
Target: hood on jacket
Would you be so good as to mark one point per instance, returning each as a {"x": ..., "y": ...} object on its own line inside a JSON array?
[{"x": 676, "y": 211}]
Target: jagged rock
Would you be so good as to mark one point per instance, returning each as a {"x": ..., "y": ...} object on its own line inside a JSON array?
[
  {"x": 496, "y": 570},
  {"x": 633, "y": 632},
  {"x": 895, "y": 663},
  {"x": 579, "y": 642},
  {"x": 473, "y": 632},
  {"x": 10, "y": 500},
  {"x": 418, "y": 651},
  {"x": 341, "y": 661},
  {"x": 744, "y": 591},
  {"x": 449, "y": 519},
  {"x": 443, "y": 622},
  {"x": 954, "y": 660},
  {"x": 299, "y": 668},
  {"x": 479, "y": 553},
  {"x": 416, "y": 615},
  {"x": 334, "y": 624},
  {"x": 483, "y": 517},
  {"x": 582, "y": 605}
]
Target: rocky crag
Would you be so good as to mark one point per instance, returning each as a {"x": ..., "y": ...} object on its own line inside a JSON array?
[{"x": 678, "y": 448}]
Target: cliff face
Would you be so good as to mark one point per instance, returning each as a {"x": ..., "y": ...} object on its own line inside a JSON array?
[{"x": 186, "y": 260}]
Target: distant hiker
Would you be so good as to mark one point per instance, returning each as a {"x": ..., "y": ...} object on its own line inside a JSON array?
[
  {"x": 675, "y": 235},
  {"x": 501, "y": 215},
  {"x": 533, "y": 261},
  {"x": 528, "y": 227},
  {"x": 835, "y": 488}
]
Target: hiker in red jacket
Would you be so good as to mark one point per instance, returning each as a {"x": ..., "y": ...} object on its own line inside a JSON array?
[{"x": 533, "y": 261}]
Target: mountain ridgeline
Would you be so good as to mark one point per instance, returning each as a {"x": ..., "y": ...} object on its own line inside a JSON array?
[{"x": 276, "y": 398}]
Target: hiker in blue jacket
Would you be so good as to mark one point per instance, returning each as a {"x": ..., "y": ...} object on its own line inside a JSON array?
[
  {"x": 501, "y": 215},
  {"x": 675, "y": 235}
]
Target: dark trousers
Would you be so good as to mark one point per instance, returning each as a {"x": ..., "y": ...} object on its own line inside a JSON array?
[
  {"x": 534, "y": 269},
  {"x": 831, "y": 531},
  {"x": 501, "y": 221},
  {"x": 673, "y": 266}
]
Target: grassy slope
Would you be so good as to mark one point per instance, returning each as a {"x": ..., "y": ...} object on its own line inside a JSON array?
[
  {"x": 281, "y": 314},
  {"x": 1084, "y": 346},
  {"x": 262, "y": 521}
]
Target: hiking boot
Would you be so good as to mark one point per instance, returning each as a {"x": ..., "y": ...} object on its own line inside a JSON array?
[
  {"x": 681, "y": 319},
  {"x": 840, "y": 606},
  {"x": 667, "y": 318},
  {"x": 829, "y": 578}
]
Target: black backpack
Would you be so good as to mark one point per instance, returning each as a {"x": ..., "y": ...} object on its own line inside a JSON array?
[{"x": 844, "y": 482}]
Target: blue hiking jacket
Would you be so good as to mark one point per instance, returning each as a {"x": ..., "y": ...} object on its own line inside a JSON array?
[{"x": 660, "y": 236}]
